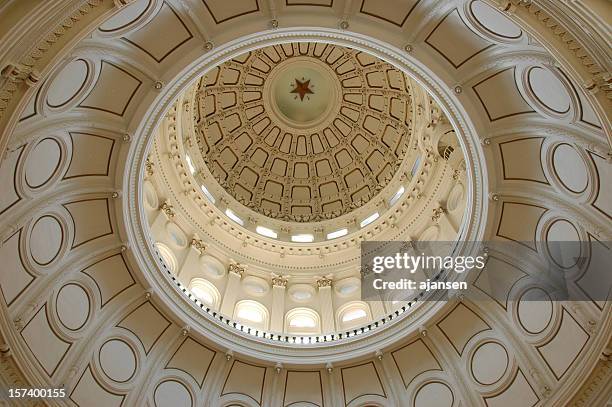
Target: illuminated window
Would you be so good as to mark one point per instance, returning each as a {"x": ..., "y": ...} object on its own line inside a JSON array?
[
  {"x": 205, "y": 291},
  {"x": 252, "y": 314},
  {"x": 336, "y": 234},
  {"x": 353, "y": 314},
  {"x": 369, "y": 219},
  {"x": 266, "y": 232},
  {"x": 397, "y": 196},
  {"x": 190, "y": 164},
  {"x": 207, "y": 194},
  {"x": 167, "y": 256},
  {"x": 302, "y": 238},
  {"x": 415, "y": 166},
  {"x": 302, "y": 321},
  {"x": 230, "y": 214}
]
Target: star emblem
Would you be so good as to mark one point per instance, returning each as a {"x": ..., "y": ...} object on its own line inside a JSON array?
[{"x": 302, "y": 88}]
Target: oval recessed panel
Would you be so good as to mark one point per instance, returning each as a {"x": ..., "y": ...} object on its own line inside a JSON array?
[
  {"x": 72, "y": 306},
  {"x": 68, "y": 83},
  {"x": 429, "y": 235},
  {"x": 150, "y": 196},
  {"x": 455, "y": 198},
  {"x": 549, "y": 90},
  {"x": 489, "y": 363},
  {"x": 301, "y": 292},
  {"x": 126, "y": 16},
  {"x": 434, "y": 394},
  {"x": 177, "y": 236},
  {"x": 46, "y": 240},
  {"x": 494, "y": 21},
  {"x": 255, "y": 285},
  {"x": 212, "y": 266},
  {"x": 42, "y": 162},
  {"x": 348, "y": 286},
  {"x": 535, "y": 310},
  {"x": 570, "y": 168},
  {"x": 117, "y": 360},
  {"x": 563, "y": 243},
  {"x": 172, "y": 394}
]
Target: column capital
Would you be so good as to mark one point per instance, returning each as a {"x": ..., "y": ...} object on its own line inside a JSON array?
[
  {"x": 237, "y": 268},
  {"x": 324, "y": 282},
  {"x": 279, "y": 281},
  {"x": 198, "y": 244},
  {"x": 168, "y": 209}
]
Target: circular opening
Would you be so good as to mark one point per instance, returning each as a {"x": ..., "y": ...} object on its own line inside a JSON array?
[{"x": 250, "y": 158}]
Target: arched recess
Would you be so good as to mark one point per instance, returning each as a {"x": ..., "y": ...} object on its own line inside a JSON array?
[
  {"x": 252, "y": 314},
  {"x": 302, "y": 321},
  {"x": 206, "y": 292},
  {"x": 352, "y": 314}
]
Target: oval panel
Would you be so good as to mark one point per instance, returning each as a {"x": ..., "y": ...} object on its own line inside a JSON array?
[
  {"x": 347, "y": 286},
  {"x": 563, "y": 243},
  {"x": 549, "y": 90},
  {"x": 455, "y": 197},
  {"x": 46, "y": 240},
  {"x": 570, "y": 168},
  {"x": 68, "y": 83},
  {"x": 255, "y": 285},
  {"x": 301, "y": 292},
  {"x": 172, "y": 394},
  {"x": 43, "y": 162},
  {"x": 150, "y": 196},
  {"x": 489, "y": 363},
  {"x": 72, "y": 305},
  {"x": 212, "y": 266},
  {"x": 126, "y": 16},
  {"x": 429, "y": 235},
  {"x": 434, "y": 394},
  {"x": 494, "y": 21},
  {"x": 117, "y": 360},
  {"x": 177, "y": 236},
  {"x": 535, "y": 310}
]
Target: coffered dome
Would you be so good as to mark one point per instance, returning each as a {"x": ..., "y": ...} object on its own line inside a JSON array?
[{"x": 304, "y": 131}]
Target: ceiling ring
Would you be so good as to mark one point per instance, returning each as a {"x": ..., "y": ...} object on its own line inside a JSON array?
[{"x": 176, "y": 303}]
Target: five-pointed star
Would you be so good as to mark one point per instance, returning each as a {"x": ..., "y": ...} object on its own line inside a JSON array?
[{"x": 302, "y": 88}]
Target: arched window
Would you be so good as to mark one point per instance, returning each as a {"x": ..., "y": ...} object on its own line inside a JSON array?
[
  {"x": 353, "y": 314},
  {"x": 205, "y": 291},
  {"x": 252, "y": 314},
  {"x": 302, "y": 321},
  {"x": 167, "y": 256}
]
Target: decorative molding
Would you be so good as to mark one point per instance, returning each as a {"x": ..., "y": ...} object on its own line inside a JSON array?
[
  {"x": 324, "y": 282},
  {"x": 26, "y": 68},
  {"x": 198, "y": 244},
  {"x": 168, "y": 209},
  {"x": 237, "y": 268},
  {"x": 279, "y": 281},
  {"x": 437, "y": 213}
]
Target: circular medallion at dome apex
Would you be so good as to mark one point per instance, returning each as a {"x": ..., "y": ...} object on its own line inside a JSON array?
[
  {"x": 303, "y": 93},
  {"x": 302, "y": 131}
]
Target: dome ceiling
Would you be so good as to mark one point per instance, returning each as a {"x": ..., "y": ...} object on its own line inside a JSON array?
[{"x": 304, "y": 132}]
